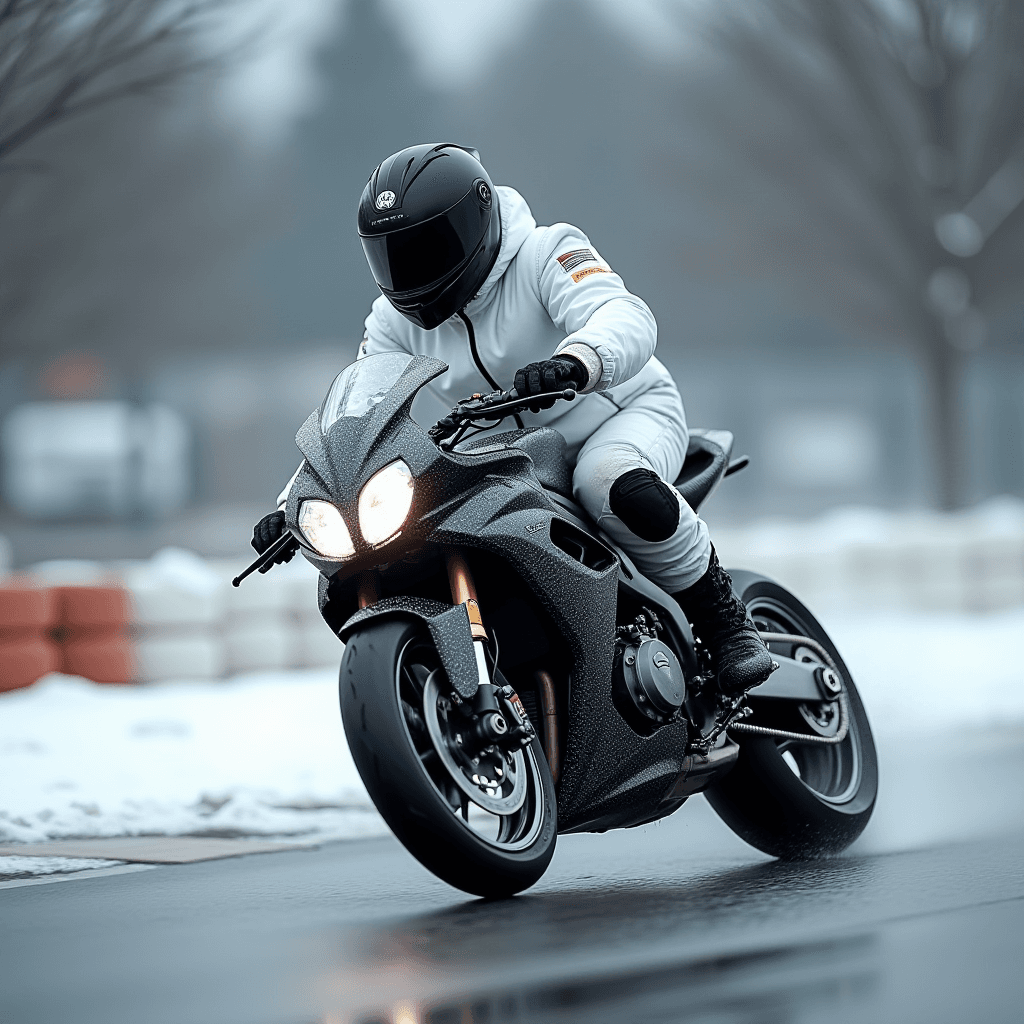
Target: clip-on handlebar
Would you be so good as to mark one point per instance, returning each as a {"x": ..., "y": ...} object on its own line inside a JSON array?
[{"x": 447, "y": 433}]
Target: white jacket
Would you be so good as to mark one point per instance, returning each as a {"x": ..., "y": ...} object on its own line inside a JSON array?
[{"x": 548, "y": 291}]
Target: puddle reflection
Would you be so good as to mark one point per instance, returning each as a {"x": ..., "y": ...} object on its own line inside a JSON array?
[
  {"x": 620, "y": 953},
  {"x": 786, "y": 984}
]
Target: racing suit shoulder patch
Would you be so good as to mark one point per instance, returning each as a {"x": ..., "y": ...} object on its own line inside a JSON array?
[
  {"x": 580, "y": 274},
  {"x": 578, "y": 258}
]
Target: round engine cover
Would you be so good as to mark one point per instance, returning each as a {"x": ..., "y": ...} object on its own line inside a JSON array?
[
  {"x": 654, "y": 683},
  {"x": 660, "y": 676}
]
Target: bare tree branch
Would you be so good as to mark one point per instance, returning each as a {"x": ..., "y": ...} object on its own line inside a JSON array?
[
  {"x": 61, "y": 58},
  {"x": 838, "y": 136}
]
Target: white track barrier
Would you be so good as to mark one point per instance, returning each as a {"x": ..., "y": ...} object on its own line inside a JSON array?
[{"x": 189, "y": 623}]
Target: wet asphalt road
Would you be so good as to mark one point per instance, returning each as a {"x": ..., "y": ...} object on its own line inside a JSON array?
[{"x": 922, "y": 921}]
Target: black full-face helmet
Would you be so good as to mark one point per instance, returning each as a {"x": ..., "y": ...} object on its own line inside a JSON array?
[{"x": 430, "y": 228}]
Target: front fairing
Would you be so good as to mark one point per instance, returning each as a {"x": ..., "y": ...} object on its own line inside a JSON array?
[{"x": 342, "y": 452}]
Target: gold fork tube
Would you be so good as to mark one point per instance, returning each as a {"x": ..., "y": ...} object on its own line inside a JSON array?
[
  {"x": 368, "y": 592},
  {"x": 460, "y": 579}
]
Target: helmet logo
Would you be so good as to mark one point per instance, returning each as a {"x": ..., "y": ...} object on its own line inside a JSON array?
[
  {"x": 385, "y": 200},
  {"x": 484, "y": 192}
]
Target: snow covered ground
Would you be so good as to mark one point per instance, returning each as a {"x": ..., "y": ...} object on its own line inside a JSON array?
[
  {"x": 262, "y": 754},
  {"x": 265, "y": 754},
  {"x": 28, "y": 867}
]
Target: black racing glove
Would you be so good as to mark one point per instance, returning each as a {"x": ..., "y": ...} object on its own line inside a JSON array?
[
  {"x": 550, "y": 375},
  {"x": 265, "y": 532}
]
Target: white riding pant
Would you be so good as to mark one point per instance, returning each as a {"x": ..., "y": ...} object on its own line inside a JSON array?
[{"x": 649, "y": 433}]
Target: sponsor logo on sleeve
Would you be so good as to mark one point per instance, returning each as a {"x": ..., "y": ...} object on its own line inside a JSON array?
[
  {"x": 570, "y": 261},
  {"x": 580, "y": 274}
]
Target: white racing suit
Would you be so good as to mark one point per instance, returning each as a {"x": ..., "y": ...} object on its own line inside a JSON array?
[{"x": 550, "y": 292}]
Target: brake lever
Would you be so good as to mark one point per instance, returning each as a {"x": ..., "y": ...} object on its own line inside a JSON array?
[
  {"x": 509, "y": 403},
  {"x": 265, "y": 561},
  {"x": 517, "y": 403}
]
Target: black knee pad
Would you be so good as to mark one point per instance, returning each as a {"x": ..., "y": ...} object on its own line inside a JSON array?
[{"x": 646, "y": 504}]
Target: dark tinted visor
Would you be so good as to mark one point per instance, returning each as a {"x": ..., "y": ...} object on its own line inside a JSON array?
[{"x": 415, "y": 258}]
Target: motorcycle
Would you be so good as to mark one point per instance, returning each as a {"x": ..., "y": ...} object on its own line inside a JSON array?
[{"x": 509, "y": 675}]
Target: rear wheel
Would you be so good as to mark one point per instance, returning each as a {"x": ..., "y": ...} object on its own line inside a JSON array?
[
  {"x": 788, "y": 797},
  {"x": 482, "y": 821}
]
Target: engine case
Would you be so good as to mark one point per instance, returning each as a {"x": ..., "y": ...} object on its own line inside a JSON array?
[{"x": 648, "y": 684}]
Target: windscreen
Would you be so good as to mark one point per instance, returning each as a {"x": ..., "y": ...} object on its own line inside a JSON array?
[{"x": 359, "y": 387}]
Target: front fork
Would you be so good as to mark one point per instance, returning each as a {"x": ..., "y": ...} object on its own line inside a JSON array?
[
  {"x": 463, "y": 591},
  {"x": 460, "y": 579}
]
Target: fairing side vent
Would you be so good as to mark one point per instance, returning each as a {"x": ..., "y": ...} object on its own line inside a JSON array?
[{"x": 576, "y": 544}]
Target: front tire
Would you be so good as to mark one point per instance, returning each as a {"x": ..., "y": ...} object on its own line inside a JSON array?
[
  {"x": 389, "y": 669},
  {"x": 790, "y": 799}
]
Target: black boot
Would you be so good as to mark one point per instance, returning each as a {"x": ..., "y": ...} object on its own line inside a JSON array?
[{"x": 738, "y": 655}]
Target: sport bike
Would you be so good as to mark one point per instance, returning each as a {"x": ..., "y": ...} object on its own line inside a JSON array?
[{"x": 509, "y": 675}]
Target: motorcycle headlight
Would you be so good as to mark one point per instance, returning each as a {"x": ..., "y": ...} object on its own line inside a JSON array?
[
  {"x": 384, "y": 502},
  {"x": 321, "y": 524}
]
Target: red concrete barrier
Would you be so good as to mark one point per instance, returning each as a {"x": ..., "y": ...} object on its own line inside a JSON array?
[
  {"x": 92, "y": 631},
  {"x": 103, "y": 659},
  {"x": 92, "y": 608},
  {"x": 22, "y": 662},
  {"x": 26, "y": 612}
]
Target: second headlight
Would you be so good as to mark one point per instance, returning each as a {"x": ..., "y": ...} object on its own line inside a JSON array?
[{"x": 384, "y": 502}]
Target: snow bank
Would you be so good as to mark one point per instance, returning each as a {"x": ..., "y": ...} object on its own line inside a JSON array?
[
  {"x": 265, "y": 754},
  {"x": 257, "y": 755},
  {"x": 27, "y": 867},
  {"x": 933, "y": 672},
  {"x": 860, "y": 558}
]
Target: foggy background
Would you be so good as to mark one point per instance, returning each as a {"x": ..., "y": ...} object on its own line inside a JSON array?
[{"x": 820, "y": 201}]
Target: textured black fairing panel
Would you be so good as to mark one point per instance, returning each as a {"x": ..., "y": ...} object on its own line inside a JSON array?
[
  {"x": 546, "y": 448},
  {"x": 449, "y": 629},
  {"x": 602, "y": 754},
  {"x": 490, "y": 501}
]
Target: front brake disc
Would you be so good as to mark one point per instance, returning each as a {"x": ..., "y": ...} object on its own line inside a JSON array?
[{"x": 498, "y": 796}]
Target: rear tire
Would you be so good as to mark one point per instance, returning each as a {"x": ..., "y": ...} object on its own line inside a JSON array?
[
  {"x": 414, "y": 789},
  {"x": 763, "y": 799}
]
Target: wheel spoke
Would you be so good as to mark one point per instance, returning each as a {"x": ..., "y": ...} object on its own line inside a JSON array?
[{"x": 412, "y": 683}]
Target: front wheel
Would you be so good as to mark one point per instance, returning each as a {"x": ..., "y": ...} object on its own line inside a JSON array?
[
  {"x": 483, "y": 823},
  {"x": 794, "y": 798}
]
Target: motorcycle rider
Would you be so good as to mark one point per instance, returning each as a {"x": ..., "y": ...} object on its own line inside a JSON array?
[{"x": 467, "y": 276}]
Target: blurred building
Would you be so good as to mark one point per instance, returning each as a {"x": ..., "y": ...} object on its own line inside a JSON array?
[{"x": 66, "y": 460}]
